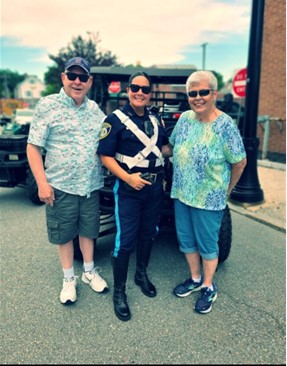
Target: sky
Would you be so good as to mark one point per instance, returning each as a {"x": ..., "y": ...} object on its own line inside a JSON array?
[{"x": 151, "y": 32}]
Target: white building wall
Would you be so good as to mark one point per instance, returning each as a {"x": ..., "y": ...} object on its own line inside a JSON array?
[{"x": 30, "y": 88}]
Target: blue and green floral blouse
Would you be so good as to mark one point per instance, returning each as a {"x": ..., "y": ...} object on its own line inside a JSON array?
[{"x": 202, "y": 158}]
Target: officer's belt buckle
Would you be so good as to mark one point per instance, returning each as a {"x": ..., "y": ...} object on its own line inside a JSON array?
[{"x": 152, "y": 177}]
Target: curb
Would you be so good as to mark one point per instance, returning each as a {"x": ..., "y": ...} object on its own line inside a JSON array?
[
  {"x": 271, "y": 164},
  {"x": 267, "y": 220},
  {"x": 258, "y": 216}
]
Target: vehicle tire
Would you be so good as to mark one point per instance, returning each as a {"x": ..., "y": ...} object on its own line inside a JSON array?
[
  {"x": 77, "y": 251},
  {"x": 32, "y": 188},
  {"x": 225, "y": 236}
]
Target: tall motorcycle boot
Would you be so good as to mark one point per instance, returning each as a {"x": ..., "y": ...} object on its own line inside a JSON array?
[
  {"x": 144, "y": 248},
  {"x": 120, "y": 270}
]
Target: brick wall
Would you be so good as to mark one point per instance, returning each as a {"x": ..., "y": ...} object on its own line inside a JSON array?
[{"x": 272, "y": 98}]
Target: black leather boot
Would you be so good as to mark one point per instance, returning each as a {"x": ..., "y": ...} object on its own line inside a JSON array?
[
  {"x": 141, "y": 279},
  {"x": 120, "y": 269},
  {"x": 121, "y": 306}
]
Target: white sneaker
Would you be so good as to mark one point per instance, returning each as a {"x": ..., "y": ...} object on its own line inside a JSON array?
[
  {"x": 93, "y": 279},
  {"x": 68, "y": 293}
]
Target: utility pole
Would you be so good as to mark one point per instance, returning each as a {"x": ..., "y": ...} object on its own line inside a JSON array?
[
  {"x": 5, "y": 84},
  {"x": 203, "y": 54}
]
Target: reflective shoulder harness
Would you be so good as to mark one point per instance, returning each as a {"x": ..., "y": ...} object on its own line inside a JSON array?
[{"x": 150, "y": 143}]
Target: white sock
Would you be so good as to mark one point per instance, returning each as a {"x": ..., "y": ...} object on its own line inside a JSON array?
[
  {"x": 69, "y": 273},
  {"x": 88, "y": 266},
  {"x": 196, "y": 279},
  {"x": 210, "y": 287}
]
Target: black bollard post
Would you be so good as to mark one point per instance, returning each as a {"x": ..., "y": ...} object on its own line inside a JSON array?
[{"x": 248, "y": 190}]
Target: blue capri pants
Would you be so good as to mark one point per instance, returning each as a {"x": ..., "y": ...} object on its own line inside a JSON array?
[{"x": 197, "y": 230}]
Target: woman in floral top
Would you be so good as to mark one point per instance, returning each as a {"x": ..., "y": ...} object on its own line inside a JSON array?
[{"x": 208, "y": 160}]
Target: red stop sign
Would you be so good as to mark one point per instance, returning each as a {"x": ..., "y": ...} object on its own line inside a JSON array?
[
  {"x": 114, "y": 87},
  {"x": 239, "y": 83}
]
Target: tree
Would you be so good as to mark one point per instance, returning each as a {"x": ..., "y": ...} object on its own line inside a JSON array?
[
  {"x": 88, "y": 49},
  {"x": 8, "y": 82},
  {"x": 219, "y": 80}
]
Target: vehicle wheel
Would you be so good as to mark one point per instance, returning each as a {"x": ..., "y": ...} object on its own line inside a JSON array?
[
  {"x": 32, "y": 188},
  {"x": 225, "y": 236},
  {"x": 77, "y": 251}
]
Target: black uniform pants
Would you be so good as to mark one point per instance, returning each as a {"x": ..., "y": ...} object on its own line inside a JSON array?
[{"x": 136, "y": 214}]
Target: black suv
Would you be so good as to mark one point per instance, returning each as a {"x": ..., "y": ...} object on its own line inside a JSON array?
[
  {"x": 169, "y": 104},
  {"x": 14, "y": 167}
]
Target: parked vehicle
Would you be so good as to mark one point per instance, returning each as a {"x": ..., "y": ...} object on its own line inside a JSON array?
[
  {"x": 19, "y": 122},
  {"x": 169, "y": 104},
  {"x": 14, "y": 167},
  {"x": 234, "y": 109},
  {"x": 171, "y": 112},
  {"x": 23, "y": 116}
]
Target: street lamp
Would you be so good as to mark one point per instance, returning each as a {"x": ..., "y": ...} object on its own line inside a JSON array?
[
  {"x": 203, "y": 54},
  {"x": 248, "y": 189}
]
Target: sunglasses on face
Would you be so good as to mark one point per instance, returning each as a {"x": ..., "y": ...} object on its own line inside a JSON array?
[
  {"x": 135, "y": 88},
  {"x": 202, "y": 93},
  {"x": 82, "y": 77}
]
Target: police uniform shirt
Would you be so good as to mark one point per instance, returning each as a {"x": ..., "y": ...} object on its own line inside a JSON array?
[{"x": 117, "y": 138}]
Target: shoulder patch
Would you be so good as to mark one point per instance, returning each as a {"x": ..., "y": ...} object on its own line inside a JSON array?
[{"x": 106, "y": 129}]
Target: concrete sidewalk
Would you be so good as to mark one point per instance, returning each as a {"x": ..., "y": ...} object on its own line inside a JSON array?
[{"x": 272, "y": 179}]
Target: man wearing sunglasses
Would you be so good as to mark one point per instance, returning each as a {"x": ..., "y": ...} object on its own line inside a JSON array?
[
  {"x": 208, "y": 160},
  {"x": 67, "y": 126}
]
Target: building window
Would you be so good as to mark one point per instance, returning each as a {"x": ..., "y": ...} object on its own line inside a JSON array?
[{"x": 28, "y": 94}]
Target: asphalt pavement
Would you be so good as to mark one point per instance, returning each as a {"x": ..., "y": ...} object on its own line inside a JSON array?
[
  {"x": 247, "y": 324},
  {"x": 272, "y": 211}
]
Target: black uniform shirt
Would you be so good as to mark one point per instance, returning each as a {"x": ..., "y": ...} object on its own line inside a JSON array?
[{"x": 116, "y": 138}]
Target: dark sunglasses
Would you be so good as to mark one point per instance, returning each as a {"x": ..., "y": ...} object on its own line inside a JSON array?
[
  {"x": 202, "y": 93},
  {"x": 135, "y": 88},
  {"x": 82, "y": 77}
]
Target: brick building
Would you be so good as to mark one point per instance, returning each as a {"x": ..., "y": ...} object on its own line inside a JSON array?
[{"x": 272, "y": 97}]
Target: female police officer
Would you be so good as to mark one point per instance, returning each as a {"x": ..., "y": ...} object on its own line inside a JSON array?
[{"x": 130, "y": 147}]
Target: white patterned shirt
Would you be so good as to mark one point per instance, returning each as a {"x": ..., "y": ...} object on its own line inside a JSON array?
[{"x": 70, "y": 136}]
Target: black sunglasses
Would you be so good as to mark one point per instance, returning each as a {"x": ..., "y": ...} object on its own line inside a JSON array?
[
  {"x": 82, "y": 77},
  {"x": 202, "y": 93},
  {"x": 135, "y": 88}
]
